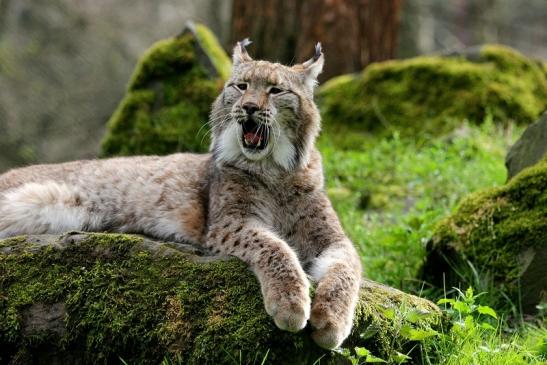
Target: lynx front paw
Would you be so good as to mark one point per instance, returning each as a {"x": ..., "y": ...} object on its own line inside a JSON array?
[
  {"x": 331, "y": 326},
  {"x": 290, "y": 309}
]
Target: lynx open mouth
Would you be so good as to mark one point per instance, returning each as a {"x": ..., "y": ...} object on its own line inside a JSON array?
[{"x": 255, "y": 136}]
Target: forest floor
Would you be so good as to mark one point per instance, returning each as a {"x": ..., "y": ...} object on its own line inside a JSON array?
[{"x": 390, "y": 193}]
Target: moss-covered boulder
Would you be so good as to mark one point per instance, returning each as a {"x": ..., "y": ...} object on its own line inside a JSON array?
[
  {"x": 434, "y": 94},
  {"x": 529, "y": 149},
  {"x": 169, "y": 97},
  {"x": 502, "y": 234},
  {"x": 96, "y": 298}
]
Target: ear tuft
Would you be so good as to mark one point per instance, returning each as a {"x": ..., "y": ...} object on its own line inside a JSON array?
[
  {"x": 313, "y": 67},
  {"x": 318, "y": 51},
  {"x": 240, "y": 52},
  {"x": 244, "y": 43}
]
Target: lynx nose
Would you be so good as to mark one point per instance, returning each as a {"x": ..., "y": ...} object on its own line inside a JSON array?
[{"x": 250, "y": 108}]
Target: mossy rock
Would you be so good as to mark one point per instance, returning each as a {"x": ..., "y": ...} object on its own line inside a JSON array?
[
  {"x": 96, "y": 298},
  {"x": 529, "y": 149},
  {"x": 169, "y": 97},
  {"x": 502, "y": 233},
  {"x": 434, "y": 94}
]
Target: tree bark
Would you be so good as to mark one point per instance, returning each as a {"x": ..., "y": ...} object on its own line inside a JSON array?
[{"x": 354, "y": 33}]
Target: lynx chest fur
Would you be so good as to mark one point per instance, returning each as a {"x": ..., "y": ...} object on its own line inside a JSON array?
[
  {"x": 258, "y": 196},
  {"x": 290, "y": 205}
]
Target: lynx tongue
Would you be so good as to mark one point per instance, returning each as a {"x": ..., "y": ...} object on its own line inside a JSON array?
[{"x": 252, "y": 138}]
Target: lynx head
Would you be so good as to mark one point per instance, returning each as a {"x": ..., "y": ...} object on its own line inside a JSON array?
[{"x": 265, "y": 116}]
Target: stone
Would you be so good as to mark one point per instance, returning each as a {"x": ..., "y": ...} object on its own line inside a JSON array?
[
  {"x": 97, "y": 297},
  {"x": 529, "y": 149},
  {"x": 499, "y": 234},
  {"x": 433, "y": 95},
  {"x": 169, "y": 97}
]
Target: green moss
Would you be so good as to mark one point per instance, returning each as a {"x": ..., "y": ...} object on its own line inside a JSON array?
[
  {"x": 12, "y": 241},
  {"x": 143, "y": 301},
  {"x": 381, "y": 316},
  {"x": 491, "y": 229},
  {"x": 169, "y": 98},
  {"x": 214, "y": 51},
  {"x": 435, "y": 94},
  {"x": 120, "y": 297}
]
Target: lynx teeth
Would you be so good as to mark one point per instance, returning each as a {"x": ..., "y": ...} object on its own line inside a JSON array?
[{"x": 249, "y": 142}]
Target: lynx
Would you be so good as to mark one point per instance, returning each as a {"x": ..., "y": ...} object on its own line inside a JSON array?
[{"x": 257, "y": 195}]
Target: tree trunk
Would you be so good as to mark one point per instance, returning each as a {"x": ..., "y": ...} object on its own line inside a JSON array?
[{"x": 354, "y": 33}]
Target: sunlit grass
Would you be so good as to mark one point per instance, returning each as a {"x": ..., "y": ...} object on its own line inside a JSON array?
[
  {"x": 390, "y": 193},
  {"x": 476, "y": 334}
]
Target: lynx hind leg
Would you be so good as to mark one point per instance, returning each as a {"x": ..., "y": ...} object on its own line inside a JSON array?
[
  {"x": 37, "y": 208},
  {"x": 338, "y": 274}
]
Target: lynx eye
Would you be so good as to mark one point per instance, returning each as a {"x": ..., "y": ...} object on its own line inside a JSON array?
[
  {"x": 242, "y": 86},
  {"x": 275, "y": 90}
]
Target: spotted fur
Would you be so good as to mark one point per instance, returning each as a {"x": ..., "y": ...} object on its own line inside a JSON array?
[{"x": 265, "y": 206}]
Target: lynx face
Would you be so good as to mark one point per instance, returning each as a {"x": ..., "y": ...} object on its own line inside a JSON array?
[{"x": 265, "y": 115}]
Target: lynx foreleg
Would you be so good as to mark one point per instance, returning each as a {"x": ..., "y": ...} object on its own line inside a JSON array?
[
  {"x": 338, "y": 273},
  {"x": 335, "y": 267},
  {"x": 285, "y": 287}
]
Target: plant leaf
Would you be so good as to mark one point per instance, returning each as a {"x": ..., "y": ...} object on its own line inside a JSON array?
[
  {"x": 343, "y": 351},
  {"x": 417, "y": 314},
  {"x": 487, "y": 326},
  {"x": 400, "y": 358},
  {"x": 389, "y": 313},
  {"x": 372, "y": 358},
  {"x": 461, "y": 307},
  {"x": 413, "y": 334},
  {"x": 445, "y": 301},
  {"x": 369, "y": 332},
  {"x": 484, "y": 309},
  {"x": 469, "y": 293},
  {"x": 361, "y": 352}
]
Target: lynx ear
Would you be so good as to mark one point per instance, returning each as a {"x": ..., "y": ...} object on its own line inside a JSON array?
[
  {"x": 240, "y": 53},
  {"x": 313, "y": 67}
]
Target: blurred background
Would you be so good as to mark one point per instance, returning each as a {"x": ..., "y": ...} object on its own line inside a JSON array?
[{"x": 64, "y": 64}]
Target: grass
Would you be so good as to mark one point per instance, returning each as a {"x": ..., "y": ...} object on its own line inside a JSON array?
[
  {"x": 473, "y": 334},
  {"x": 389, "y": 194},
  {"x": 476, "y": 335}
]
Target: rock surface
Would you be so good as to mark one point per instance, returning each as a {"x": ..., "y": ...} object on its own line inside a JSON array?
[
  {"x": 169, "y": 97},
  {"x": 64, "y": 67},
  {"x": 529, "y": 149},
  {"x": 501, "y": 232},
  {"x": 95, "y": 298},
  {"x": 434, "y": 94}
]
